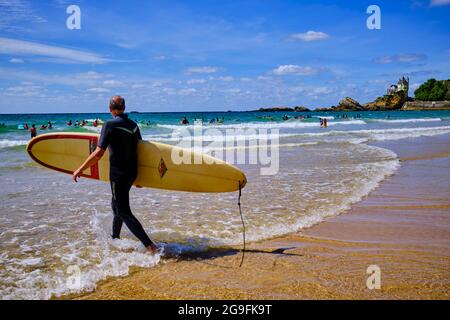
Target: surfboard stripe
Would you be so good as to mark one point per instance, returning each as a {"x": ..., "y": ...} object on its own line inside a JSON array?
[
  {"x": 93, "y": 142},
  {"x": 40, "y": 138}
]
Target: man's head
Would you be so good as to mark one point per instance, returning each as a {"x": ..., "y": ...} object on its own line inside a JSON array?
[{"x": 116, "y": 105}]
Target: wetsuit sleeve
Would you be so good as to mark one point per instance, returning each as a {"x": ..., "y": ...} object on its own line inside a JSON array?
[
  {"x": 105, "y": 136},
  {"x": 139, "y": 133}
]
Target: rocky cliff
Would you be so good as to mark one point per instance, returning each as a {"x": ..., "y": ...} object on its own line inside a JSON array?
[
  {"x": 348, "y": 104},
  {"x": 388, "y": 102}
]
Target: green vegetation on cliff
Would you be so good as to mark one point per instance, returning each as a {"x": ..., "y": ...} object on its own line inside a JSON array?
[{"x": 433, "y": 90}]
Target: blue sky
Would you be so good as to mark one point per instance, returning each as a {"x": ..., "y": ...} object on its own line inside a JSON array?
[{"x": 214, "y": 55}]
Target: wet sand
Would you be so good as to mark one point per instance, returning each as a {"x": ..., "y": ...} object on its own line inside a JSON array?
[{"x": 403, "y": 227}]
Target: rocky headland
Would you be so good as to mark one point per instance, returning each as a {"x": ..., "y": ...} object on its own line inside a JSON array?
[{"x": 431, "y": 95}]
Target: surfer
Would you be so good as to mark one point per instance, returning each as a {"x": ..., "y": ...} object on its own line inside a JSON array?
[{"x": 120, "y": 136}]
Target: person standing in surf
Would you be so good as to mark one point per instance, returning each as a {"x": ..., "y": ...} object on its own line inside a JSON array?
[
  {"x": 33, "y": 131},
  {"x": 120, "y": 135}
]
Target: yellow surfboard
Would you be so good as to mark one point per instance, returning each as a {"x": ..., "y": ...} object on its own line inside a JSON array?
[{"x": 65, "y": 152}]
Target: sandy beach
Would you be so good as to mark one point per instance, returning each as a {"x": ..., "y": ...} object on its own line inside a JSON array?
[{"x": 403, "y": 227}]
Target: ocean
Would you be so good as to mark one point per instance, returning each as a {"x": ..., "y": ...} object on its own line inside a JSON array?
[{"x": 50, "y": 226}]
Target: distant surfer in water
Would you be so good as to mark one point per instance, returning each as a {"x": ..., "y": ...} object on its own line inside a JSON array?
[{"x": 120, "y": 135}]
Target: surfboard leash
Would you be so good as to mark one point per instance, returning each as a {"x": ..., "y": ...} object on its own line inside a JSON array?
[{"x": 243, "y": 223}]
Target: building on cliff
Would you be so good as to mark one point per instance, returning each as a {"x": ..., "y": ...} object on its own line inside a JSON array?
[{"x": 402, "y": 85}]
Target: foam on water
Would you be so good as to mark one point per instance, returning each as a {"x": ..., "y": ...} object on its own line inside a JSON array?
[
  {"x": 263, "y": 125},
  {"x": 33, "y": 278},
  {"x": 240, "y": 135},
  {"x": 379, "y": 134},
  {"x": 407, "y": 120},
  {"x": 5, "y": 143}
]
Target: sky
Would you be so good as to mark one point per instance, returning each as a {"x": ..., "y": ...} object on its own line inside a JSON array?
[{"x": 205, "y": 55}]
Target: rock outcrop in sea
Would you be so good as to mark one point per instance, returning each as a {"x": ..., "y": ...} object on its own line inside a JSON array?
[
  {"x": 284, "y": 109},
  {"x": 348, "y": 104},
  {"x": 393, "y": 101}
]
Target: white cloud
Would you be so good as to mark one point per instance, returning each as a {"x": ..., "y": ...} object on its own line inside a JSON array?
[
  {"x": 138, "y": 86},
  {"x": 112, "y": 83},
  {"x": 98, "y": 90},
  {"x": 226, "y": 79},
  {"x": 436, "y": 3},
  {"x": 169, "y": 91},
  {"x": 63, "y": 3},
  {"x": 203, "y": 70},
  {"x": 188, "y": 91},
  {"x": 403, "y": 58},
  {"x": 126, "y": 45},
  {"x": 16, "y": 60},
  {"x": 14, "y": 13},
  {"x": 377, "y": 81},
  {"x": 294, "y": 69},
  {"x": 232, "y": 91},
  {"x": 321, "y": 90},
  {"x": 84, "y": 79},
  {"x": 309, "y": 36},
  {"x": 194, "y": 81},
  {"x": 27, "y": 48},
  {"x": 26, "y": 89},
  {"x": 90, "y": 75}
]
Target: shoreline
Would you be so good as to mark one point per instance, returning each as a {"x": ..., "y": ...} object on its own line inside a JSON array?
[{"x": 402, "y": 226}]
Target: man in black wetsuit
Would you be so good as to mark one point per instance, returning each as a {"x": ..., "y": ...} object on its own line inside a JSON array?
[{"x": 121, "y": 136}]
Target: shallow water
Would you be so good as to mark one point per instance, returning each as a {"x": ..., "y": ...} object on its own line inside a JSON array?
[{"x": 48, "y": 223}]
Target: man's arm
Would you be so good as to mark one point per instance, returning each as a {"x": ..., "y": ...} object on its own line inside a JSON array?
[{"x": 93, "y": 158}]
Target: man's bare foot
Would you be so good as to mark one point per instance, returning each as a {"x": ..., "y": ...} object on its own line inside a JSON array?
[{"x": 152, "y": 249}]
